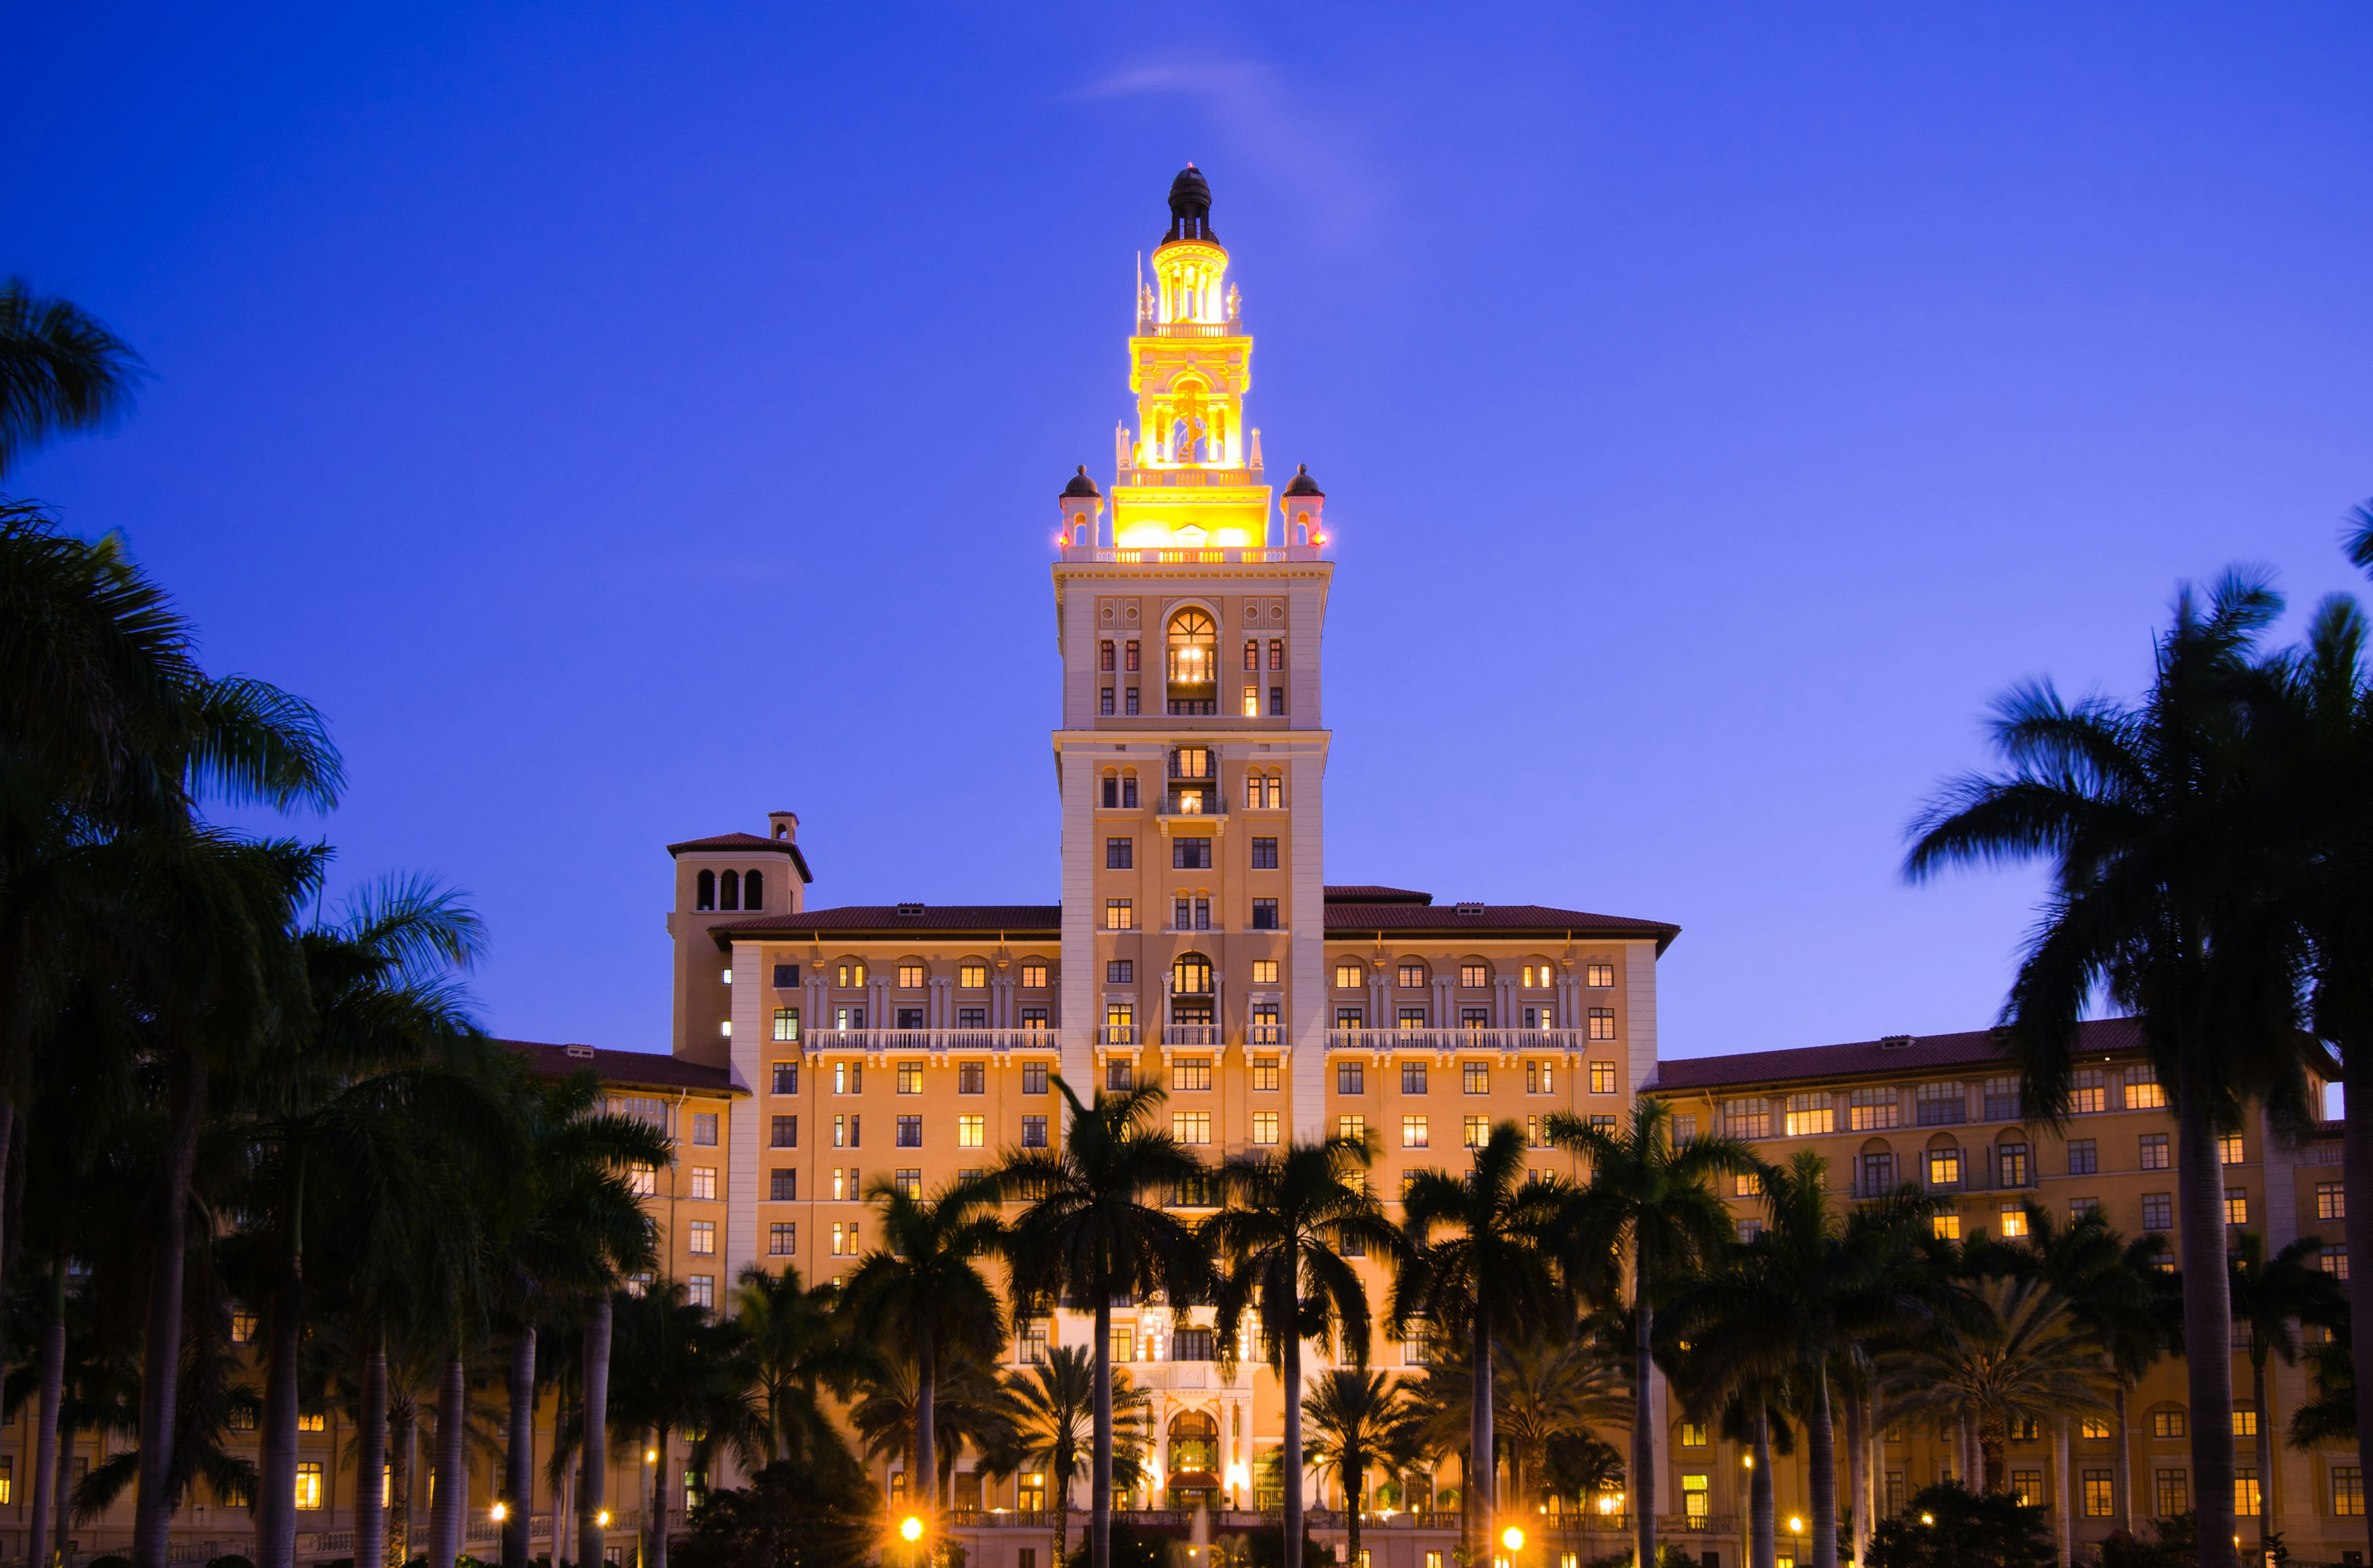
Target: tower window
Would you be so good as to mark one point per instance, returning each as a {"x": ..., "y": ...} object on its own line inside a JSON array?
[
  {"x": 1194, "y": 663},
  {"x": 1277, "y": 702},
  {"x": 1191, "y": 975},
  {"x": 1104, "y": 709},
  {"x": 1118, "y": 853},
  {"x": 1111, "y": 784},
  {"x": 754, "y": 890},
  {"x": 704, "y": 894},
  {"x": 1252, "y": 656},
  {"x": 729, "y": 891},
  {"x": 1264, "y": 914},
  {"x": 1276, "y": 653},
  {"x": 1130, "y": 658},
  {"x": 1264, "y": 854},
  {"x": 1104, "y": 656},
  {"x": 1129, "y": 709},
  {"x": 1190, "y": 854},
  {"x": 1128, "y": 780}
]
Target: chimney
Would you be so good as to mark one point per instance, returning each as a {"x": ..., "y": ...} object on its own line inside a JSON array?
[{"x": 783, "y": 826}]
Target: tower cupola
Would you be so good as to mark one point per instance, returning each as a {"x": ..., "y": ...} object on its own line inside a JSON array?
[
  {"x": 1304, "y": 505},
  {"x": 1083, "y": 510}
]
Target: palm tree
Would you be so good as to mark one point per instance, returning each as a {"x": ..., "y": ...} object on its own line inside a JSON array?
[
  {"x": 675, "y": 1369},
  {"x": 1551, "y": 1387},
  {"x": 1493, "y": 1274},
  {"x": 970, "y": 1406},
  {"x": 2159, "y": 820},
  {"x": 1280, "y": 1237},
  {"x": 797, "y": 1351},
  {"x": 2272, "y": 1295},
  {"x": 922, "y": 1296},
  {"x": 2014, "y": 1355},
  {"x": 60, "y": 370},
  {"x": 1360, "y": 1420},
  {"x": 1090, "y": 1232},
  {"x": 1658, "y": 1201},
  {"x": 1056, "y": 1408}
]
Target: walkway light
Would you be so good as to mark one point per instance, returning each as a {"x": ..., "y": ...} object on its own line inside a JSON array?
[
  {"x": 602, "y": 1518},
  {"x": 1795, "y": 1525},
  {"x": 912, "y": 1527},
  {"x": 499, "y": 1512},
  {"x": 1512, "y": 1538},
  {"x": 1928, "y": 1518}
]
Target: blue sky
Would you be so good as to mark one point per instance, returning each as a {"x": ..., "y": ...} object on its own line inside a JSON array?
[{"x": 622, "y": 421}]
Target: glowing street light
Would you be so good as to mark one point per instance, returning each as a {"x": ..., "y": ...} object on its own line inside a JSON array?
[
  {"x": 1795, "y": 1525},
  {"x": 911, "y": 1527},
  {"x": 1928, "y": 1518},
  {"x": 1512, "y": 1538},
  {"x": 602, "y": 1518},
  {"x": 499, "y": 1512}
]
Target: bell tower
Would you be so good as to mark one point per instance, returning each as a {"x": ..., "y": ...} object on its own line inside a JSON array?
[{"x": 1192, "y": 750}]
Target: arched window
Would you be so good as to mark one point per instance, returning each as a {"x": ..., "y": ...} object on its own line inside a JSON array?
[
  {"x": 731, "y": 892},
  {"x": 754, "y": 890},
  {"x": 1194, "y": 663},
  {"x": 703, "y": 896},
  {"x": 1191, "y": 975}
]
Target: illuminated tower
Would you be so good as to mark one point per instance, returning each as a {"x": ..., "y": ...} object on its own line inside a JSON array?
[{"x": 1192, "y": 750}]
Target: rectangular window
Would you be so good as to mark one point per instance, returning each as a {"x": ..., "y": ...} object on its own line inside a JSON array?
[
  {"x": 2013, "y": 1221},
  {"x": 1697, "y": 1502},
  {"x": 787, "y": 977},
  {"x": 1191, "y": 1126},
  {"x": 1540, "y": 1077},
  {"x": 787, "y": 1027},
  {"x": 844, "y": 1238},
  {"x": 2027, "y": 1487},
  {"x": 1347, "y": 977},
  {"x": 2331, "y": 1200},
  {"x": 703, "y": 1129},
  {"x": 1265, "y": 1073},
  {"x": 2348, "y": 1492},
  {"x": 308, "y": 1484},
  {"x": 2174, "y": 1493},
  {"x": 1746, "y": 1184},
  {"x": 1478, "y": 1131},
  {"x": 700, "y": 1290},
  {"x": 2229, "y": 1149},
  {"x": 1033, "y": 1131},
  {"x": 1694, "y": 1435},
  {"x": 2144, "y": 1091},
  {"x": 1746, "y": 1119},
  {"x": 2237, "y": 1206},
  {"x": 910, "y": 1018},
  {"x": 1413, "y": 1077},
  {"x": 1129, "y": 710},
  {"x": 703, "y": 1234},
  {"x": 1105, "y": 711},
  {"x": 910, "y": 1132},
  {"x": 2010, "y": 1164},
  {"x": 1874, "y": 1111},
  {"x": 1809, "y": 1115},
  {"x": 1413, "y": 1019},
  {"x": 1895, "y": 1491},
  {"x": 1277, "y": 702},
  {"x": 1598, "y": 977},
  {"x": 2333, "y": 1261},
  {"x": 2167, "y": 1424},
  {"x": 783, "y": 1185},
  {"x": 1475, "y": 1077},
  {"x": 1352, "y": 1127},
  {"x": 1252, "y": 701},
  {"x": 1120, "y": 972},
  {"x": 1945, "y": 1227},
  {"x": 786, "y": 1078},
  {"x": 1034, "y": 1077},
  {"x": 2158, "y": 1210},
  {"x": 1940, "y": 1105},
  {"x": 1119, "y": 853},
  {"x": 911, "y": 977},
  {"x": 704, "y": 1182},
  {"x": 1190, "y": 854},
  {"x": 845, "y": 1132},
  {"x": 1264, "y": 854},
  {"x": 2088, "y": 1092},
  {"x": 2002, "y": 1099},
  {"x": 2154, "y": 1151},
  {"x": 1128, "y": 657},
  {"x": 1277, "y": 653},
  {"x": 1265, "y": 914},
  {"x": 1350, "y": 1077},
  {"x": 1602, "y": 1078},
  {"x": 1877, "y": 1175},
  {"x": 909, "y": 1181},
  {"x": 1413, "y": 1132},
  {"x": 785, "y": 1134},
  {"x": 910, "y": 1077},
  {"x": 1264, "y": 971},
  {"x": 1120, "y": 914},
  {"x": 1105, "y": 656},
  {"x": 849, "y": 1077},
  {"x": 2084, "y": 1157},
  {"x": 1602, "y": 1023},
  {"x": 972, "y": 1132},
  {"x": 2245, "y": 1421},
  {"x": 1191, "y": 1072},
  {"x": 1252, "y": 655},
  {"x": 2083, "y": 1208},
  {"x": 782, "y": 1238}
]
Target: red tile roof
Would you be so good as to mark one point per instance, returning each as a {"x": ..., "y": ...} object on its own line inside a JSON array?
[
  {"x": 635, "y": 1069},
  {"x": 1343, "y": 920},
  {"x": 1367, "y": 893},
  {"x": 1910, "y": 1053},
  {"x": 748, "y": 842}
]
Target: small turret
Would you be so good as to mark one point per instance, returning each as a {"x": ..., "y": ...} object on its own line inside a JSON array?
[
  {"x": 1304, "y": 505},
  {"x": 1083, "y": 511}
]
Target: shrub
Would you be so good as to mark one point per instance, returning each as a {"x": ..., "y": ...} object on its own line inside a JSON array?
[
  {"x": 233, "y": 1560},
  {"x": 1947, "y": 1527}
]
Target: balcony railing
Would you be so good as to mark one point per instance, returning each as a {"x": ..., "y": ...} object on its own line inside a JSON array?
[
  {"x": 1208, "y": 1035},
  {"x": 932, "y": 1039},
  {"x": 1247, "y": 554},
  {"x": 1463, "y": 1039}
]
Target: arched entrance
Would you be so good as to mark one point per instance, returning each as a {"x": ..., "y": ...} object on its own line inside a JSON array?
[{"x": 1194, "y": 1480}]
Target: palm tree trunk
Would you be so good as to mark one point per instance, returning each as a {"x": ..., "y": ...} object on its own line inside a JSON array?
[
  {"x": 1062, "y": 1516},
  {"x": 591, "y": 1551},
  {"x": 276, "y": 1506},
  {"x": 1823, "y": 1464},
  {"x": 1291, "y": 1353},
  {"x": 654, "y": 1532},
  {"x": 1099, "y": 1462},
  {"x": 1643, "y": 1436},
  {"x": 53, "y": 1379},
  {"x": 161, "y": 1358},
  {"x": 1482, "y": 1458},
  {"x": 370, "y": 1458},
  {"x": 1762, "y": 1528},
  {"x": 445, "y": 1503},
  {"x": 1355, "y": 1486},
  {"x": 1873, "y": 1454},
  {"x": 61, "y": 1504},
  {"x": 2125, "y": 1478},
  {"x": 404, "y": 1447},
  {"x": 564, "y": 1517},
  {"x": 923, "y": 1468},
  {"x": 1857, "y": 1468},
  {"x": 2356, "y": 1172},
  {"x": 2207, "y": 1312},
  {"x": 2064, "y": 1511},
  {"x": 2258, "y": 1392},
  {"x": 519, "y": 1455}
]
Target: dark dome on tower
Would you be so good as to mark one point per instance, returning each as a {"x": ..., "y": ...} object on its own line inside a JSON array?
[
  {"x": 1190, "y": 207},
  {"x": 1081, "y": 484},
  {"x": 1302, "y": 483}
]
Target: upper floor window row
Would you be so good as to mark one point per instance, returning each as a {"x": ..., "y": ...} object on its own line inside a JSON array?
[
  {"x": 1125, "y": 655},
  {"x": 733, "y": 891}
]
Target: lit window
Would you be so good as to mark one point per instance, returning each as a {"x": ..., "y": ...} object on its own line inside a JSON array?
[
  {"x": 700, "y": 1290},
  {"x": 1475, "y": 1077},
  {"x": 1478, "y": 1131},
  {"x": 2174, "y": 1491},
  {"x": 1264, "y": 1127},
  {"x": 2010, "y": 1163},
  {"x": 1034, "y": 977},
  {"x": 1694, "y": 1435},
  {"x": 1598, "y": 977},
  {"x": 1540, "y": 1077},
  {"x": 2229, "y": 1149},
  {"x": 2245, "y": 1493},
  {"x": 2237, "y": 1206},
  {"x": 1193, "y": 1072},
  {"x": 2333, "y": 1261},
  {"x": 1695, "y": 1501},
  {"x": 1602, "y": 1077},
  {"x": 2245, "y": 1421},
  {"x": 1474, "y": 977},
  {"x": 1413, "y": 1019},
  {"x": 1602, "y": 1023},
  {"x": 2144, "y": 1091},
  {"x": 1944, "y": 1167},
  {"x": 849, "y": 1077},
  {"x": 704, "y": 1182},
  {"x": 313, "y": 1420},
  {"x": 702, "y": 1238},
  {"x": 2100, "y": 1493},
  {"x": 2088, "y": 1092},
  {"x": 2013, "y": 1221},
  {"x": 787, "y": 1027},
  {"x": 1945, "y": 1227},
  {"x": 1413, "y": 1132},
  {"x": 2167, "y": 1424},
  {"x": 643, "y": 1181},
  {"x": 725, "y": 1028},
  {"x": 910, "y": 1077},
  {"x": 1874, "y": 1111},
  {"x": 1810, "y": 1114},
  {"x": 1264, "y": 1072},
  {"x": 2348, "y": 1492},
  {"x": 972, "y": 1132},
  {"x": 1191, "y": 1126},
  {"x": 1347, "y": 977},
  {"x": 1352, "y": 1127},
  {"x": 844, "y": 1238},
  {"x": 1264, "y": 971},
  {"x": 1746, "y": 1184},
  {"x": 1120, "y": 914},
  {"x": 2331, "y": 1200},
  {"x": 782, "y": 1238},
  {"x": 1413, "y": 976},
  {"x": 1123, "y": 1344},
  {"x": 909, "y": 1181},
  {"x": 308, "y": 1484}
]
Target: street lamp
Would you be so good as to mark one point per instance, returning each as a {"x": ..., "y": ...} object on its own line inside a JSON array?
[
  {"x": 911, "y": 1527},
  {"x": 602, "y": 1518},
  {"x": 1512, "y": 1538},
  {"x": 1795, "y": 1525},
  {"x": 499, "y": 1512}
]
